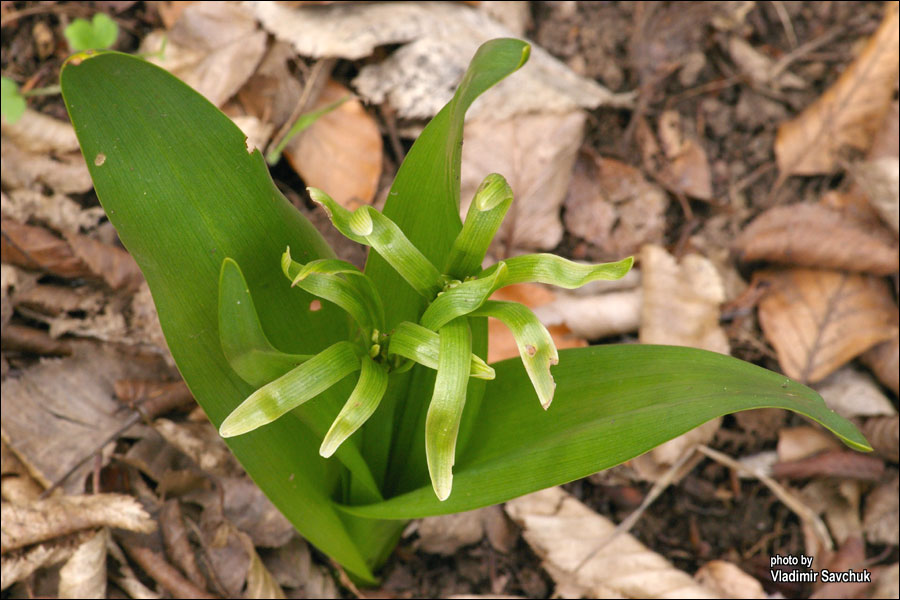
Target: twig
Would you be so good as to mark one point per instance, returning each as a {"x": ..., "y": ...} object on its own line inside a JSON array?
[
  {"x": 311, "y": 90},
  {"x": 785, "y": 19},
  {"x": 800, "y": 509}
]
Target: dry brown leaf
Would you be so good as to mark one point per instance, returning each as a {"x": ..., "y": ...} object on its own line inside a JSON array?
[
  {"x": 202, "y": 444},
  {"x": 852, "y": 393},
  {"x": 887, "y": 581},
  {"x": 880, "y": 179},
  {"x": 881, "y": 520},
  {"x": 612, "y": 205},
  {"x": 114, "y": 265},
  {"x": 61, "y": 515},
  {"x": 18, "y": 485},
  {"x": 795, "y": 443},
  {"x": 36, "y": 248},
  {"x": 84, "y": 574},
  {"x": 884, "y": 359},
  {"x": 819, "y": 320},
  {"x": 292, "y": 567},
  {"x": 176, "y": 542},
  {"x": 594, "y": 317},
  {"x": 446, "y": 534},
  {"x": 838, "y": 501},
  {"x": 681, "y": 301},
  {"x": 65, "y": 174},
  {"x": 812, "y": 235},
  {"x": 419, "y": 78},
  {"x": 58, "y": 211},
  {"x": 849, "y": 113},
  {"x": 686, "y": 169},
  {"x": 563, "y": 531},
  {"x": 341, "y": 152},
  {"x": 759, "y": 67},
  {"x": 502, "y": 344},
  {"x": 729, "y": 580},
  {"x": 20, "y": 564},
  {"x": 21, "y": 338},
  {"x": 56, "y": 300},
  {"x": 536, "y": 153},
  {"x": 41, "y": 134},
  {"x": 260, "y": 582},
  {"x": 251, "y": 512},
  {"x": 214, "y": 47},
  {"x": 272, "y": 93},
  {"x": 883, "y": 434},
  {"x": 58, "y": 411}
]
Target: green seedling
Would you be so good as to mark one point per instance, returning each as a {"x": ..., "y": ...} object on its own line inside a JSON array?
[
  {"x": 358, "y": 399},
  {"x": 99, "y": 33},
  {"x": 13, "y": 102}
]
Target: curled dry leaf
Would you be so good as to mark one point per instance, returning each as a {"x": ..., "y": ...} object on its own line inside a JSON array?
[
  {"x": 448, "y": 533},
  {"x": 114, "y": 265},
  {"x": 813, "y": 235},
  {"x": 536, "y": 153},
  {"x": 729, "y": 580},
  {"x": 839, "y": 502},
  {"x": 202, "y": 444},
  {"x": 883, "y": 434},
  {"x": 686, "y": 167},
  {"x": 851, "y": 393},
  {"x": 212, "y": 47},
  {"x": 612, "y": 205},
  {"x": 563, "y": 531},
  {"x": 292, "y": 566},
  {"x": 881, "y": 519},
  {"x": 832, "y": 463},
  {"x": 58, "y": 211},
  {"x": 21, "y": 338},
  {"x": 84, "y": 574},
  {"x": 594, "y": 317},
  {"x": 419, "y": 78},
  {"x": 61, "y": 515},
  {"x": 260, "y": 582},
  {"x": 849, "y": 113},
  {"x": 20, "y": 564},
  {"x": 880, "y": 179},
  {"x": 36, "y": 248},
  {"x": 819, "y": 320},
  {"x": 251, "y": 512},
  {"x": 341, "y": 152},
  {"x": 884, "y": 359}
]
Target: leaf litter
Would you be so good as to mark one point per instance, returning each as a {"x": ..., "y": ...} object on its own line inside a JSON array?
[{"x": 579, "y": 195}]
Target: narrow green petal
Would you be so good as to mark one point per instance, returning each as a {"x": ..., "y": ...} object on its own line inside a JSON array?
[
  {"x": 535, "y": 344},
  {"x": 486, "y": 213},
  {"x": 463, "y": 299},
  {"x": 555, "y": 270},
  {"x": 332, "y": 266},
  {"x": 392, "y": 244},
  {"x": 292, "y": 389},
  {"x": 243, "y": 340},
  {"x": 423, "y": 346},
  {"x": 447, "y": 403},
  {"x": 340, "y": 216},
  {"x": 334, "y": 288},
  {"x": 365, "y": 398},
  {"x": 367, "y": 226}
]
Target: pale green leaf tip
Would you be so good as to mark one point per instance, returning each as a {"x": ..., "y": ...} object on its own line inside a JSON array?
[
  {"x": 361, "y": 221},
  {"x": 286, "y": 262},
  {"x": 442, "y": 483},
  {"x": 321, "y": 198},
  {"x": 526, "y": 52}
]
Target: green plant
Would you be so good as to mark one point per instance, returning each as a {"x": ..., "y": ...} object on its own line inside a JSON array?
[
  {"x": 11, "y": 100},
  {"x": 206, "y": 224},
  {"x": 97, "y": 34}
]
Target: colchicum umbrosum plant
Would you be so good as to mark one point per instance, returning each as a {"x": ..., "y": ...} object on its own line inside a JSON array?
[{"x": 359, "y": 399}]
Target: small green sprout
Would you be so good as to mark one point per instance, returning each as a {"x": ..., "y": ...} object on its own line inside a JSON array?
[
  {"x": 97, "y": 34},
  {"x": 13, "y": 102},
  {"x": 442, "y": 340}
]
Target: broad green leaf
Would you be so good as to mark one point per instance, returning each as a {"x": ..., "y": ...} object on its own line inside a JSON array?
[
  {"x": 423, "y": 346},
  {"x": 369, "y": 390},
  {"x": 244, "y": 342},
  {"x": 534, "y": 342},
  {"x": 183, "y": 192},
  {"x": 490, "y": 204},
  {"x": 612, "y": 403},
  {"x": 97, "y": 34},
  {"x": 292, "y": 389},
  {"x": 447, "y": 404}
]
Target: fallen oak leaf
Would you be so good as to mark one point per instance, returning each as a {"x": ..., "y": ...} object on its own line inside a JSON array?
[
  {"x": 813, "y": 235},
  {"x": 849, "y": 113},
  {"x": 818, "y": 320}
]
